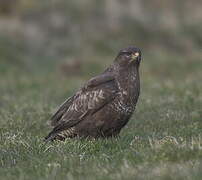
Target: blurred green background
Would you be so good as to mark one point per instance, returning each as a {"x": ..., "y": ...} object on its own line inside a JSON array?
[
  {"x": 35, "y": 34},
  {"x": 49, "y": 48}
]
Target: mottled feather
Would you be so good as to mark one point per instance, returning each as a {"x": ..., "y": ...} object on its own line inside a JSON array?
[{"x": 95, "y": 94}]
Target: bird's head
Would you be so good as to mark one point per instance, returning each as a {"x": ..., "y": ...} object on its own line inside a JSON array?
[{"x": 129, "y": 56}]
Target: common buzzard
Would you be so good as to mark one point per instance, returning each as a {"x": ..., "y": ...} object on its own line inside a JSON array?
[{"x": 104, "y": 104}]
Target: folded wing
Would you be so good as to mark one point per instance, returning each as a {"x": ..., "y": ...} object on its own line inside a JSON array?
[{"x": 97, "y": 92}]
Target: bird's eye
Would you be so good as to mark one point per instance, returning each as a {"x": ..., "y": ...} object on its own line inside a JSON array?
[{"x": 126, "y": 54}]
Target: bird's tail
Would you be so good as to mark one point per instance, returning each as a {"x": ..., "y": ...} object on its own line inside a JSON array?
[
  {"x": 51, "y": 137},
  {"x": 60, "y": 135}
]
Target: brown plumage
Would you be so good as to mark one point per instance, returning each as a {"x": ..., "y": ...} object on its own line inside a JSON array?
[{"x": 104, "y": 104}]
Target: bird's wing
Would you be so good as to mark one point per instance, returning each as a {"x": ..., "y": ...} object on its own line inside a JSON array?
[
  {"x": 61, "y": 110},
  {"x": 96, "y": 93}
]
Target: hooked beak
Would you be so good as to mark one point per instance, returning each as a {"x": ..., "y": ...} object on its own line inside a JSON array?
[{"x": 134, "y": 56}]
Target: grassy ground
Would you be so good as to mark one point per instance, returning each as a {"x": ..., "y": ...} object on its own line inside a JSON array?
[{"x": 163, "y": 140}]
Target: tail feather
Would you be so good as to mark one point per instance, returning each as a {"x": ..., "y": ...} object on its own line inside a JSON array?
[
  {"x": 51, "y": 137},
  {"x": 61, "y": 136}
]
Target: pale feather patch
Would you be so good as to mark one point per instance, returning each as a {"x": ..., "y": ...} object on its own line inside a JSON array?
[
  {"x": 101, "y": 94},
  {"x": 120, "y": 107},
  {"x": 95, "y": 98},
  {"x": 67, "y": 133},
  {"x": 125, "y": 93}
]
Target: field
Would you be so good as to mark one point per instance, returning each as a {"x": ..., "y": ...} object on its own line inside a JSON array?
[
  {"x": 163, "y": 140},
  {"x": 48, "y": 49}
]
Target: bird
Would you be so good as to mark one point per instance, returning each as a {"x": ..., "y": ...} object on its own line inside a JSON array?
[{"x": 104, "y": 104}]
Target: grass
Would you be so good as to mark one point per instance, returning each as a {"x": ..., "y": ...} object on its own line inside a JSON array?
[{"x": 163, "y": 139}]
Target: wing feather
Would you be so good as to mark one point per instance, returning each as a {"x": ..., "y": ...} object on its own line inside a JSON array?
[
  {"x": 86, "y": 101},
  {"x": 61, "y": 110}
]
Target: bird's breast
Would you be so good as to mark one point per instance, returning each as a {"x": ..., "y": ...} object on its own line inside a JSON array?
[
  {"x": 129, "y": 91},
  {"x": 121, "y": 108}
]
